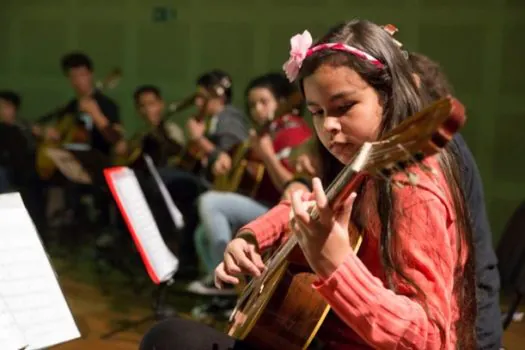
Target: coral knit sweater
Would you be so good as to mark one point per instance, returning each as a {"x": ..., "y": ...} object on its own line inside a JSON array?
[{"x": 367, "y": 313}]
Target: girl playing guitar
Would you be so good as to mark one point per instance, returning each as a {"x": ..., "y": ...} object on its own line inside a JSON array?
[{"x": 412, "y": 283}]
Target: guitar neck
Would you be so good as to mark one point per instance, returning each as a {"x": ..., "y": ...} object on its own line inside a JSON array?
[{"x": 348, "y": 180}]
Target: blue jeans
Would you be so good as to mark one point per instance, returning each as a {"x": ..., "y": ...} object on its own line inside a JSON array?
[{"x": 221, "y": 215}]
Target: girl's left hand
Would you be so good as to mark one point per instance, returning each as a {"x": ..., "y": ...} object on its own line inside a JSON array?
[{"x": 325, "y": 242}]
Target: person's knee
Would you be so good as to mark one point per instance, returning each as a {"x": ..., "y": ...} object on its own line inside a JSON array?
[
  {"x": 208, "y": 202},
  {"x": 163, "y": 335}
]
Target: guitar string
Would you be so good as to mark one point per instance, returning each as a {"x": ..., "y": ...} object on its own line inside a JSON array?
[{"x": 336, "y": 184}]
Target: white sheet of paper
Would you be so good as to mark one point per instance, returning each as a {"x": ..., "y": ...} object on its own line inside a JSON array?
[
  {"x": 11, "y": 337},
  {"x": 162, "y": 261},
  {"x": 28, "y": 285},
  {"x": 174, "y": 211}
]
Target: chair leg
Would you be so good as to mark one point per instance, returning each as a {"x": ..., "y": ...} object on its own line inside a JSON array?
[{"x": 513, "y": 307}]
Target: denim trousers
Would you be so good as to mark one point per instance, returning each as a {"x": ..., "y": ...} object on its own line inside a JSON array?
[{"x": 221, "y": 214}]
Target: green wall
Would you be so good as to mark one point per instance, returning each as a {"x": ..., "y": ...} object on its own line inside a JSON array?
[{"x": 479, "y": 43}]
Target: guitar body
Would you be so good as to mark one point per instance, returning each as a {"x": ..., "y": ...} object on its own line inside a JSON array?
[
  {"x": 246, "y": 175},
  {"x": 249, "y": 181},
  {"x": 70, "y": 132},
  {"x": 134, "y": 152},
  {"x": 284, "y": 312},
  {"x": 45, "y": 167},
  {"x": 190, "y": 159},
  {"x": 280, "y": 309}
]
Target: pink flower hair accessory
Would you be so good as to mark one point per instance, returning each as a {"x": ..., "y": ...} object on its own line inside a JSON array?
[
  {"x": 300, "y": 49},
  {"x": 300, "y": 44}
]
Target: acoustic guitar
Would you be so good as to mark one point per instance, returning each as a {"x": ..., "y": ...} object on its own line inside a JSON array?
[
  {"x": 247, "y": 170},
  {"x": 69, "y": 129},
  {"x": 135, "y": 143},
  {"x": 280, "y": 309}
]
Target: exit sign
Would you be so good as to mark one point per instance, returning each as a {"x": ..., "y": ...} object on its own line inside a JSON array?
[{"x": 163, "y": 14}]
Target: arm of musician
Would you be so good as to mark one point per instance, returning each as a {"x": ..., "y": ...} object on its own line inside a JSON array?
[
  {"x": 279, "y": 174},
  {"x": 388, "y": 319},
  {"x": 268, "y": 229},
  {"x": 231, "y": 130},
  {"x": 107, "y": 123},
  {"x": 287, "y": 138},
  {"x": 205, "y": 145},
  {"x": 112, "y": 133},
  {"x": 121, "y": 148},
  {"x": 37, "y": 131},
  {"x": 225, "y": 142}
]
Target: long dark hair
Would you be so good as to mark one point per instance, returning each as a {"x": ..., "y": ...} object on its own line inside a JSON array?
[
  {"x": 400, "y": 98},
  {"x": 432, "y": 79}
]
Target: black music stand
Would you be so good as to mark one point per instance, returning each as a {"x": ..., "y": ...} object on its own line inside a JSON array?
[
  {"x": 94, "y": 162},
  {"x": 15, "y": 151},
  {"x": 160, "y": 312},
  {"x": 160, "y": 309}
]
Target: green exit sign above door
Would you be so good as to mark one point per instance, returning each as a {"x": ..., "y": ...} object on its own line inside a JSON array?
[{"x": 163, "y": 14}]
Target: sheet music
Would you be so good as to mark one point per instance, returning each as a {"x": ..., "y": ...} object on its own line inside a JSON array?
[
  {"x": 69, "y": 166},
  {"x": 11, "y": 337},
  {"x": 29, "y": 290},
  {"x": 159, "y": 260},
  {"x": 175, "y": 213}
]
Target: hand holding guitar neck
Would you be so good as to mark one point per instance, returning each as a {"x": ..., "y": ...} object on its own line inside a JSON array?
[
  {"x": 195, "y": 154},
  {"x": 196, "y": 128}
]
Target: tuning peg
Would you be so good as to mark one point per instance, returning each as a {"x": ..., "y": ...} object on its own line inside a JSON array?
[
  {"x": 413, "y": 178},
  {"x": 398, "y": 184},
  {"x": 427, "y": 169}
]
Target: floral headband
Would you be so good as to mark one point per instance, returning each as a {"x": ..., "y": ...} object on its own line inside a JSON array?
[{"x": 301, "y": 48}]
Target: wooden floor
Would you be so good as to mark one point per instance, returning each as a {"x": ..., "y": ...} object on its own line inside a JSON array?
[{"x": 95, "y": 315}]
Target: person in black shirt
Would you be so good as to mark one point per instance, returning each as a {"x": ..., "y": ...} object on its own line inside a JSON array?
[
  {"x": 17, "y": 156},
  {"x": 15, "y": 141},
  {"x": 489, "y": 329},
  {"x": 95, "y": 111},
  {"x": 161, "y": 139},
  {"x": 98, "y": 117}
]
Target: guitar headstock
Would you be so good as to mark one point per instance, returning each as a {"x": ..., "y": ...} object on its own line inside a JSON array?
[
  {"x": 111, "y": 80},
  {"x": 424, "y": 134}
]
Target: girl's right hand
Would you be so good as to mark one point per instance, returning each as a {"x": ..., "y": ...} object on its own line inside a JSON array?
[{"x": 240, "y": 257}]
